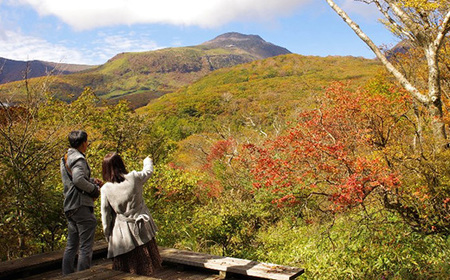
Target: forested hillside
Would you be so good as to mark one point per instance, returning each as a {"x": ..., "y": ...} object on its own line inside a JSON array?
[
  {"x": 142, "y": 76},
  {"x": 261, "y": 91},
  {"x": 305, "y": 161}
]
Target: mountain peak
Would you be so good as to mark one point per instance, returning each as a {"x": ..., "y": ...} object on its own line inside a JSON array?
[
  {"x": 252, "y": 44},
  {"x": 235, "y": 36}
]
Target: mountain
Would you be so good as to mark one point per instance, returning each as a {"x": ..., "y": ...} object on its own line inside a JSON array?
[
  {"x": 247, "y": 101},
  {"x": 263, "y": 93},
  {"x": 401, "y": 47},
  {"x": 142, "y": 76},
  {"x": 13, "y": 70},
  {"x": 252, "y": 44}
]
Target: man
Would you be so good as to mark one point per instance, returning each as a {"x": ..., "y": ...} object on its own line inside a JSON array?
[{"x": 80, "y": 191}]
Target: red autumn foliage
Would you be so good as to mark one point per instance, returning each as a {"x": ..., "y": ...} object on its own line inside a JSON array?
[
  {"x": 220, "y": 149},
  {"x": 331, "y": 151}
]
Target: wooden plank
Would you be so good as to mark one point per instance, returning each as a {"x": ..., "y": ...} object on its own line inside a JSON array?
[
  {"x": 25, "y": 266},
  {"x": 97, "y": 273},
  {"x": 52, "y": 261},
  {"x": 97, "y": 263},
  {"x": 234, "y": 265},
  {"x": 41, "y": 263},
  {"x": 102, "y": 273},
  {"x": 174, "y": 274},
  {"x": 163, "y": 274},
  {"x": 128, "y": 276},
  {"x": 101, "y": 266}
]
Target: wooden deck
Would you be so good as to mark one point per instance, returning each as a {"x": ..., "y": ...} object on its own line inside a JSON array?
[
  {"x": 177, "y": 265},
  {"x": 102, "y": 270}
]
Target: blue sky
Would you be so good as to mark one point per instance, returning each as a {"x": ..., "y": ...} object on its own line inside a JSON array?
[{"x": 93, "y": 31}]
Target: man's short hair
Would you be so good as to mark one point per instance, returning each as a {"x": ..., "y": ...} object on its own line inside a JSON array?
[{"x": 76, "y": 138}]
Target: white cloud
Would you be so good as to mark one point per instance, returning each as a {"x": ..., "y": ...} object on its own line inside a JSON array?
[
  {"x": 16, "y": 46},
  {"x": 88, "y": 14},
  {"x": 368, "y": 11},
  {"x": 91, "y": 14},
  {"x": 108, "y": 45},
  {"x": 119, "y": 43}
]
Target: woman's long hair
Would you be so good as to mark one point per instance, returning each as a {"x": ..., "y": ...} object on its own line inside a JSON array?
[{"x": 113, "y": 168}]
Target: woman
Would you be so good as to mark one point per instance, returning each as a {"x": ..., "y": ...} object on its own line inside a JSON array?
[{"x": 127, "y": 223}]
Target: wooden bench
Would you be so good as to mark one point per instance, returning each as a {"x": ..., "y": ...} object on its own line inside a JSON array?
[
  {"x": 41, "y": 263},
  {"x": 232, "y": 265}
]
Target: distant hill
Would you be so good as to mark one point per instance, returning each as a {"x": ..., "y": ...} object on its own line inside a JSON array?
[
  {"x": 13, "y": 70},
  {"x": 143, "y": 76}
]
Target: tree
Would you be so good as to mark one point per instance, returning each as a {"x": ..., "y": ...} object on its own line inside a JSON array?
[
  {"x": 426, "y": 25},
  {"x": 329, "y": 153},
  {"x": 33, "y": 137},
  {"x": 121, "y": 129},
  {"x": 30, "y": 145},
  {"x": 353, "y": 152}
]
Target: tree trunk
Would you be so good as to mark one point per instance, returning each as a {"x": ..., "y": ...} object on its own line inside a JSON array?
[
  {"x": 437, "y": 123},
  {"x": 434, "y": 91},
  {"x": 432, "y": 100},
  {"x": 417, "y": 142},
  {"x": 423, "y": 99}
]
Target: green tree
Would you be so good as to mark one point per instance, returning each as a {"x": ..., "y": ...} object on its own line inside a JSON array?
[
  {"x": 30, "y": 145},
  {"x": 120, "y": 129}
]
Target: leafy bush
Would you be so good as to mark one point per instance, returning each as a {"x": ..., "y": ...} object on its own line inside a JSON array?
[{"x": 354, "y": 250}]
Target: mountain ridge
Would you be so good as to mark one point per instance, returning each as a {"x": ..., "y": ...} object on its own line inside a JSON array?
[
  {"x": 142, "y": 76},
  {"x": 16, "y": 70}
]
